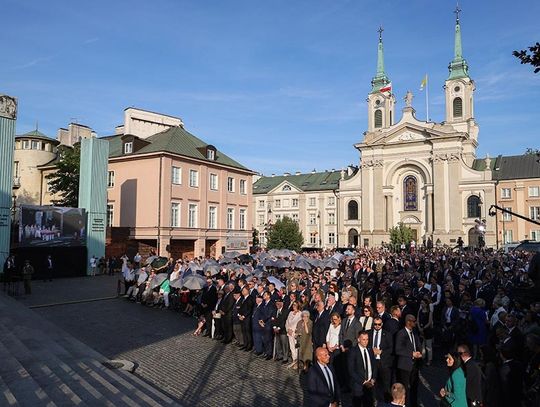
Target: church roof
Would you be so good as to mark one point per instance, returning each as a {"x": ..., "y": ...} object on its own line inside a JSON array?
[
  {"x": 175, "y": 140},
  {"x": 314, "y": 181},
  {"x": 511, "y": 167}
]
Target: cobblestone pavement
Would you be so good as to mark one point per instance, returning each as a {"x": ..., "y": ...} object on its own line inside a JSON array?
[{"x": 196, "y": 371}]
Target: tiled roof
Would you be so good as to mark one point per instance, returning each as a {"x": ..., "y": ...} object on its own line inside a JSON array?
[
  {"x": 315, "y": 181},
  {"x": 36, "y": 134},
  {"x": 511, "y": 167},
  {"x": 175, "y": 140}
]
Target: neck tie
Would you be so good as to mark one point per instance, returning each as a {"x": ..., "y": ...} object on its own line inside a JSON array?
[
  {"x": 348, "y": 323},
  {"x": 376, "y": 344},
  {"x": 366, "y": 368},
  {"x": 328, "y": 376},
  {"x": 412, "y": 340}
]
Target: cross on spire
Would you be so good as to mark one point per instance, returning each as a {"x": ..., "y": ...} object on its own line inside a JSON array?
[
  {"x": 457, "y": 11},
  {"x": 380, "y": 31}
]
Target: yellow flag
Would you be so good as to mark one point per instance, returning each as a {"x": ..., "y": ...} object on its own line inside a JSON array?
[{"x": 424, "y": 83}]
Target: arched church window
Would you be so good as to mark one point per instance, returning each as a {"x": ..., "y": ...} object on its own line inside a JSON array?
[
  {"x": 378, "y": 118},
  {"x": 474, "y": 210},
  {"x": 458, "y": 107},
  {"x": 352, "y": 210},
  {"x": 410, "y": 193}
]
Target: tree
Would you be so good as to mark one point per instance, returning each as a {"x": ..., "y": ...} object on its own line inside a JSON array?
[
  {"x": 532, "y": 56},
  {"x": 285, "y": 234},
  {"x": 401, "y": 234},
  {"x": 65, "y": 181}
]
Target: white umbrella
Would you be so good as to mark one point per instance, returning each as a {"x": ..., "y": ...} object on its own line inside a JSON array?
[
  {"x": 276, "y": 282},
  {"x": 194, "y": 282}
]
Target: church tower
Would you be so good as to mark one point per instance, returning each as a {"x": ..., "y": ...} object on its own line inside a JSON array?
[
  {"x": 459, "y": 90},
  {"x": 380, "y": 100}
]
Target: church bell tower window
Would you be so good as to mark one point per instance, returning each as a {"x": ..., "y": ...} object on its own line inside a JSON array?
[
  {"x": 378, "y": 118},
  {"x": 458, "y": 107}
]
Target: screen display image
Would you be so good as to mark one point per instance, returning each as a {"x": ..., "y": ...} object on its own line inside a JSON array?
[{"x": 52, "y": 226}]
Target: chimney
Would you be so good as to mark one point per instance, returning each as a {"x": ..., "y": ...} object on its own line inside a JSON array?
[
  {"x": 286, "y": 174},
  {"x": 273, "y": 175},
  {"x": 314, "y": 171},
  {"x": 297, "y": 173}
]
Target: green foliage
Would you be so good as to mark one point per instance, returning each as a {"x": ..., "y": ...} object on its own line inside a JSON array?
[
  {"x": 65, "y": 181},
  {"x": 532, "y": 56},
  {"x": 401, "y": 234},
  {"x": 285, "y": 234}
]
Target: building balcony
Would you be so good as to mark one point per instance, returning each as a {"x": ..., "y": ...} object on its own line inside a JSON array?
[{"x": 16, "y": 182}]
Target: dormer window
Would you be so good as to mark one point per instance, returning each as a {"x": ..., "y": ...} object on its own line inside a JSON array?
[
  {"x": 128, "y": 147},
  {"x": 210, "y": 153},
  {"x": 286, "y": 188}
]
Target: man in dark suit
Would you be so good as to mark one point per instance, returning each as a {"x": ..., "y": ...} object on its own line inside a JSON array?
[
  {"x": 511, "y": 374},
  {"x": 382, "y": 344},
  {"x": 269, "y": 310},
  {"x": 208, "y": 302},
  {"x": 332, "y": 305},
  {"x": 362, "y": 372},
  {"x": 226, "y": 309},
  {"x": 407, "y": 350},
  {"x": 381, "y": 311},
  {"x": 473, "y": 375},
  {"x": 244, "y": 314},
  {"x": 320, "y": 325},
  {"x": 256, "y": 326},
  {"x": 281, "y": 340},
  {"x": 449, "y": 323},
  {"x": 322, "y": 384},
  {"x": 350, "y": 326},
  {"x": 392, "y": 325}
]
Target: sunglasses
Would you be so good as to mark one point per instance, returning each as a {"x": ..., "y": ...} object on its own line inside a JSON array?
[{"x": 377, "y": 324}]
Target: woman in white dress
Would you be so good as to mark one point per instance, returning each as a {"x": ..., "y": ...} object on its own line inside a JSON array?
[
  {"x": 332, "y": 336},
  {"x": 290, "y": 325}
]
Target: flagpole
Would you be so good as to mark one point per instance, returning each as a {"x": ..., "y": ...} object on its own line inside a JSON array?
[{"x": 427, "y": 98}]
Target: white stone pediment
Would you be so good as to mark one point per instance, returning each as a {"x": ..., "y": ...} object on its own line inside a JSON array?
[
  {"x": 285, "y": 188},
  {"x": 405, "y": 135}
]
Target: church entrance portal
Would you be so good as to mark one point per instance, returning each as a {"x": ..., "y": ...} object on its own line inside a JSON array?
[{"x": 353, "y": 238}]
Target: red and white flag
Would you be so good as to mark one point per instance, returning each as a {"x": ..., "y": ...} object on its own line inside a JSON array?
[{"x": 387, "y": 87}]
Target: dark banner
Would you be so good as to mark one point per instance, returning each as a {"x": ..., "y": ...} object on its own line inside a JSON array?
[{"x": 51, "y": 226}]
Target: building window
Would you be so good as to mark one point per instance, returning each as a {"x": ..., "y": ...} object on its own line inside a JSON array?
[
  {"x": 277, "y": 203},
  {"x": 312, "y": 201},
  {"x": 458, "y": 107},
  {"x": 210, "y": 154},
  {"x": 261, "y": 220},
  {"x": 212, "y": 217},
  {"x": 261, "y": 204},
  {"x": 312, "y": 218},
  {"x": 474, "y": 209},
  {"x": 331, "y": 218},
  {"x": 295, "y": 203},
  {"x": 213, "y": 182},
  {"x": 331, "y": 200},
  {"x": 193, "y": 178},
  {"x": 507, "y": 216},
  {"x": 278, "y": 217},
  {"x": 535, "y": 235},
  {"x": 352, "y": 210},
  {"x": 243, "y": 186},
  {"x": 110, "y": 179},
  {"x": 295, "y": 217},
  {"x": 535, "y": 212},
  {"x": 508, "y": 238},
  {"x": 378, "y": 118},
  {"x": 36, "y": 145},
  {"x": 128, "y": 147},
  {"x": 110, "y": 214},
  {"x": 534, "y": 192},
  {"x": 410, "y": 194},
  {"x": 175, "y": 214},
  {"x": 176, "y": 175},
  {"x": 230, "y": 218},
  {"x": 331, "y": 238},
  {"x": 192, "y": 216},
  {"x": 15, "y": 168},
  {"x": 506, "y": 193},
  {"x": 26, "y": 144},
  {"x": 286, "y": 188},
  {"x": 230, "y": 184},
  {"x": 313, "y": 238},
  {"x": 243, "y": 219}
]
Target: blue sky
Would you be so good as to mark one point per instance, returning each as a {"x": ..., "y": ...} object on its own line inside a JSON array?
[{"x": 277, "y": 85}]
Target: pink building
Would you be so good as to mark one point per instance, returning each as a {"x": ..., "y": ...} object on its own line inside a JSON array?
[{"x": 171, "y": 191}]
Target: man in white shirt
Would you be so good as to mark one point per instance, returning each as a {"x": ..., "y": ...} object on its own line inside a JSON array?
[{"x": 362, "y": 372}]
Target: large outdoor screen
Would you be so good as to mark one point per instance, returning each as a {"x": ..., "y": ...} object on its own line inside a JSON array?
[{"x": 51, "y": 226}]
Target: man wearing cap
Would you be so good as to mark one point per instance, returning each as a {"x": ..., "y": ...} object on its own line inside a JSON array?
[{"x": 281, "y": 340}]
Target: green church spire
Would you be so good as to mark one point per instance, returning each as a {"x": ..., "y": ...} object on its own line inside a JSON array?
[
  {"x": 458, "y": 67},
  {"x": 380, "y": 80}
]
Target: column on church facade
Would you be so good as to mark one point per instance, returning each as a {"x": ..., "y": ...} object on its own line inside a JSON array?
[
  {"x": 455, "y": 199},
  {"x": 378, "y": 209},
  {"x": 439, "y": 194}
]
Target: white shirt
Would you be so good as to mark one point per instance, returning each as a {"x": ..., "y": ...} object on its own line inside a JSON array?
[
  {"x": 327, "y": 375},
  {"x": 332, "y": 336},
  {"x": 377, "y": 337}
]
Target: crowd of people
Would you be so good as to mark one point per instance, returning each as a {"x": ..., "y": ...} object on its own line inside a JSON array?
[{"x": 367, "y": 321}]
